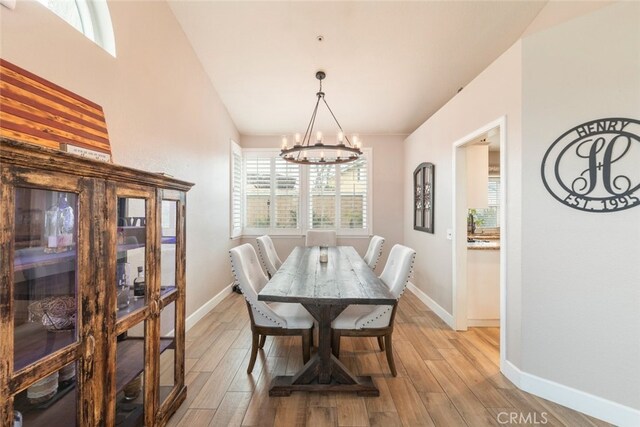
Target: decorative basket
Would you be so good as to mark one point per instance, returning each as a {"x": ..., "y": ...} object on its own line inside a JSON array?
[{"x": 55, "y": 313}]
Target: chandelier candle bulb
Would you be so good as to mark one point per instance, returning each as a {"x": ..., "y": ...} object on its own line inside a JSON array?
[
  {"x": 297, "y": 138},
  {"x": 285, "y": 142},
  {"x": 340, "y": 137},
  {"x": 319, "y": 137}
]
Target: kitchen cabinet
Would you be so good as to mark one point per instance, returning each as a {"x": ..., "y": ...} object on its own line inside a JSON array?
[
  {"x": 477, "y": 161},
  {"x": 78, "y": 347},
  {"x": 483, "y": 284}
]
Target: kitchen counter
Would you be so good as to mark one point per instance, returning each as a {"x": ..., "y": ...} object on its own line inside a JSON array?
[{"x": 483, "y": 243}]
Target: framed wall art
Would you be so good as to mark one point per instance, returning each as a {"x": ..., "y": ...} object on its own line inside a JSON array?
[{"x": 423, "y": 185}]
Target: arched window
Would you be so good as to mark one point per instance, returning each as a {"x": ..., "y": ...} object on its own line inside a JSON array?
[{"x": 90, "y": 17}]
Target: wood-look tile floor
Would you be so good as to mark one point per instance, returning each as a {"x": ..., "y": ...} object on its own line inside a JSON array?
[{"x": 445, "y": 378}]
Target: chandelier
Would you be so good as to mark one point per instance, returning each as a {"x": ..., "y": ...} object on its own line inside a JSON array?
[{"x": 305, "y": 152}]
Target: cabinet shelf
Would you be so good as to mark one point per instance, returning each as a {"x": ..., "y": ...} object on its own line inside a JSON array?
[
  {"x": 32, "y": 342},
  {"x": 130, "y": 359},
  {"x": 62, "y": 412},
  {"x": 30, "y": 258},
  {"x": 167, "y": 292},
  {"x": 140, "y": 303}
]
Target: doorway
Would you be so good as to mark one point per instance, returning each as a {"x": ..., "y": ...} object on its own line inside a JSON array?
[{"x": 485, "y": 143}]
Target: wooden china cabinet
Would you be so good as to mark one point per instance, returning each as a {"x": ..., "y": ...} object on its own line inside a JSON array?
[{"x": 92, "y": 291}]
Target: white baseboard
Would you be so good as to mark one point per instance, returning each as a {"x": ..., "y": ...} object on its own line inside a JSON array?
[
  {"x": 483, "y": 323},
  {"x": 589, "y": 404},
  {"x": 207, "y": 307},
  {"x": 434, "y": 306}
]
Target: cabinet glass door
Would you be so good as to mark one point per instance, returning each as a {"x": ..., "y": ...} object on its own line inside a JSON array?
[
  {"x": 168, "y": 296},
  {"x": 130, "y": 376},
  {"x": 45, "y": 294},
  {"x": 45, "y": 304},
  {"x": 167, "y": 351},
  {"x": 130, "y": 283}
]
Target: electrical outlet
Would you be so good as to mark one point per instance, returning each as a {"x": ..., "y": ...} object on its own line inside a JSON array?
[{"x": 449, "y": 234}]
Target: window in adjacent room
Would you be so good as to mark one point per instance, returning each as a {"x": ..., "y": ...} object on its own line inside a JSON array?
[
  {"x": 91, "y": 18},
  {"x": 490, "y": 217}
]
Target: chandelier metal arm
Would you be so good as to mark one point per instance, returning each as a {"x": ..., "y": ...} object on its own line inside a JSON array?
[
  {"x": 307, "y": 135},
  {"x": 336, "y": 120}
]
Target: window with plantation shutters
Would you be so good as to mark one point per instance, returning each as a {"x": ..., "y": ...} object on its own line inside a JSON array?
[
  {"x": 322, "y": 196},
  {"x": 286, "y": 194},
  {"x": 353, "y": 194},
  {"x": 257, "y": 192},
  {"x": 282, "y": 198},
  {"x": 236, "y": 190}
]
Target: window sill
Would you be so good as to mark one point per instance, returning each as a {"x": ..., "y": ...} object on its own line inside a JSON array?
[{"x": 365, "y": 235}]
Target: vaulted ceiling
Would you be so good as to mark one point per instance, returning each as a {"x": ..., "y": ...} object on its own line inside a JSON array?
[{"x": 390, "y": 65}]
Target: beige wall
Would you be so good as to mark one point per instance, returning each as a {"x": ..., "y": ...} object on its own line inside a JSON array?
[
  {"x": 162, "y": 112},
  {"x": 572, "y": 277},
  {"x": 581, "y": 270},
  {"x": 387, "y": 184}
]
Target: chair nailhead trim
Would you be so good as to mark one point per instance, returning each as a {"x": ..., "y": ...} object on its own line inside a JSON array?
[
  {"x": 379, "y": 255},
  {"x": 262, "y": 260},
  {"x": 247, "y": 300},
  {"x": 413, "y": 260}
]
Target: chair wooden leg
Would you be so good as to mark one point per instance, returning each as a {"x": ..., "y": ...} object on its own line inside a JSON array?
[
  {"x": 381, "y": 343},
  {"x": 335, "y": 343},
  {"x": 306, "y": 345},
  {"x": 263, "y": 338},
  {"x": 392, "y": 364},
  {"x": 254, "y": 351}
]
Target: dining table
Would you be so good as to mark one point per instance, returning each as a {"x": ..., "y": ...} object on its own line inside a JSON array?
[{"x": 325, "y": 289}]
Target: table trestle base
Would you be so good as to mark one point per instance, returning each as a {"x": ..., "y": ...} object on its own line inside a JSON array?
[{"x": 283, "y": 386}]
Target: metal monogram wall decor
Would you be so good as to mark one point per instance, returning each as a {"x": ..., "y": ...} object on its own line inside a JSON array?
[
  {"x": 595, "y": 166},
  {"x": 423, "y": 197}
]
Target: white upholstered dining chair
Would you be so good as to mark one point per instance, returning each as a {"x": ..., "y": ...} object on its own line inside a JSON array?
[
  {"x": 268, "y": 255},
  {"x": 276, "y": 319},
  {"x": 377, "y": 320},
  {"x": 374, "y": 251},
  {"x": 321, "y": 238}
]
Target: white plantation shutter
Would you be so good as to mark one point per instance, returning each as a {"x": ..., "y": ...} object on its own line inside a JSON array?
[
  {"x": 322, "y": 196},
  {"x": 354, "y": 194},
  {"x": 286, "y": 194},
  {"x": 257, "y": 192},
  {"x": 236, "y": 190}
]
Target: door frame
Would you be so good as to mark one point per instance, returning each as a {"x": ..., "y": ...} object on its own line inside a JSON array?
[{"x": 459, "y": 247}]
